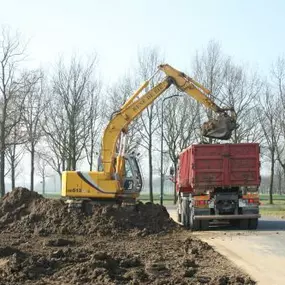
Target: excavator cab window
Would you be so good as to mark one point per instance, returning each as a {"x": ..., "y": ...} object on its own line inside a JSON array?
[
  {"x": 128, "y": 170},
  {"x": 133, "y": 179}
]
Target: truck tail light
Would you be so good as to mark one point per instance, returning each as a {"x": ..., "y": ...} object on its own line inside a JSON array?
[
  {"x": 253, "y": 201},
  {"x": 251, "y": 198},
  {"x": 201, "y": 202}
]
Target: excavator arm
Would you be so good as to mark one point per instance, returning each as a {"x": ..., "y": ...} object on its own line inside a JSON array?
[
  {"x": 130, "y": 111},
  {"x": 219, "y": 128}
]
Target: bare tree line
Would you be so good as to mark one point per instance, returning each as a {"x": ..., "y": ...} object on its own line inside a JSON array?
[{"x": 57, "y": 119}]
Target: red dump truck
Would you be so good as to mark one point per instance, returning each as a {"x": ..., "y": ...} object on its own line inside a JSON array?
[{"x": 219, "y": 182}]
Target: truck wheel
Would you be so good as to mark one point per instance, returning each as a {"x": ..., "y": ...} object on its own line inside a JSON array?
[
  {"x": 244, "y": 224},
  {"x": 185, "y": 213},
  {"x": 234, "y": 223},
  {"x": 204, "y": 225},
  {"x": 178, "y": 215},
  {"x": 194, "y": 224},
  {"x": 253, "y": 223}
]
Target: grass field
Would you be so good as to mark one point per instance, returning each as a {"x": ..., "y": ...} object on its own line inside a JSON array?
[
  {"x": 274, "y": 210},
  {"x": 145, "y": 197}
]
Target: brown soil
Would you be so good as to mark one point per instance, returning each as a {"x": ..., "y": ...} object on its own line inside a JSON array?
[
  {"x": 28, "y": 212},
  {"x": 43, "y": 244}
]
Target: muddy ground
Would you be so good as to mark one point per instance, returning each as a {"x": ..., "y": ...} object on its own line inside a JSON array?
[{"x": 41, "y": 243}]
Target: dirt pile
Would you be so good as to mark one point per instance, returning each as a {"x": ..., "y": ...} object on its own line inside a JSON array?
[
  {"x": 16, "y": 204},
  {"x": 148, "y": 260},
  {"x": 115, "y": 245},
  {"x": 28, "y": 212}
]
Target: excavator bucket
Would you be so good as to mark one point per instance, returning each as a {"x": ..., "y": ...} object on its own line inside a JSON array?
[{"x": 220, "y": 127}]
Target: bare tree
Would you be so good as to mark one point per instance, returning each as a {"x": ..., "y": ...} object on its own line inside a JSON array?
[
  {"x": 56, "y": 136},
  {"x": 117, "y": 96},
  {"x": 280, "y": 179},
  {"x": 68, "y": 117},
  {"x": 14, "y": 86},
  {"x": 148, "y": 61},
  {"x": 93, "y": 128},
  {"x": 33, "y": 110},
  {"x": 180, "y": 125},
  {"x": 209, "y": 69},
  {"x": 267, "y": 115},
  {"x": 43, "y": 169},
  {"x": 231, "y": 85},
  {"x": 241, "y": 90},
  {"x": 15, "y": 151},
  {"x": 278, "y": 85}
]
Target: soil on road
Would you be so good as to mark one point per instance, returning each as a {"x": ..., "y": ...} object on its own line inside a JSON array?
[{"x": 260, "y": 253}]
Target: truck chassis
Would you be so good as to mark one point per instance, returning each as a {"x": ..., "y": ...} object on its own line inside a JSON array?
[{"x": 198, "y": 212}]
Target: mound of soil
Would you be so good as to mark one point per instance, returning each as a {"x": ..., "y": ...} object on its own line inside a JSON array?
[
  {"x": 28, "y": 212},
  {"x": 94, "y": 250},
  {"x": 149, "y": 260}
]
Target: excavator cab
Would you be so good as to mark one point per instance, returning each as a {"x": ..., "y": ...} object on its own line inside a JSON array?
[{"x": 220, "y": 127}]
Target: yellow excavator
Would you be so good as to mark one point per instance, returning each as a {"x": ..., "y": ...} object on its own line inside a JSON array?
[{"x": 119, "y": 177}]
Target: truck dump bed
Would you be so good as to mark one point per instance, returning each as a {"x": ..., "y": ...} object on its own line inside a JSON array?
[{"x": 207, "y": 166}]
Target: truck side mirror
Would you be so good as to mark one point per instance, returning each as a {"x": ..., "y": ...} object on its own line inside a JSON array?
[{"x": 171, "y": 170}]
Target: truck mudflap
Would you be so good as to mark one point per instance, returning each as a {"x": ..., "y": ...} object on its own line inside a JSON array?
[{"x": 227, "y": 217}]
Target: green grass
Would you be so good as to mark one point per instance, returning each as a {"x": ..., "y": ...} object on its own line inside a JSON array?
[
  {"x": 275, "y": 197},
  {"x": 277, "y": 209},
  {"x": 275, "y": 202},
  {"x": 274, "y": 210}
]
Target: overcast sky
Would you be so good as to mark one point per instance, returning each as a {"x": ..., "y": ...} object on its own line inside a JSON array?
[{"x": 252, "y": 31}]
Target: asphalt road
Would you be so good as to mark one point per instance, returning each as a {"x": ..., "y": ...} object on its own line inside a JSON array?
[{"x": 260, "y": 253}]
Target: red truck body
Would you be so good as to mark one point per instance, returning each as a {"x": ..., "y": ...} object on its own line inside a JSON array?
[{"x": 207, "y": 166}]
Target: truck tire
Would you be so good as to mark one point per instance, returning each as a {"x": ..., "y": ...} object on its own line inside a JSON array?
[
  {"x": 185, "y": 213},
  {"x": 253, "y": 223},
  {"x": 244, "y": 224},
  {"x": 204, "y": 225},
  {"x": 178, "y": 215},
  {"x": 194, "y": 224},
  {"x": 234, "y": 223}
]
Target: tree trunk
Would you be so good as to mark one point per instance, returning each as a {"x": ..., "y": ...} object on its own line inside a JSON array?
[
  {"x": 2, "y": 173},
  {"x": 175, "y": 181},
  {"x": 68, "y": 167},
  {"x": 150, "y": 173},
  {"x": 280, "y": 182},
  {"x": 2, "y": 161},
  {"x": 12, "y": 172},
  {"x": 271, "y": 177},
  {"x": 44, "y": 185},
  {"x": 32, "y": 166},
  {"x": 91, "y": 155}
]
